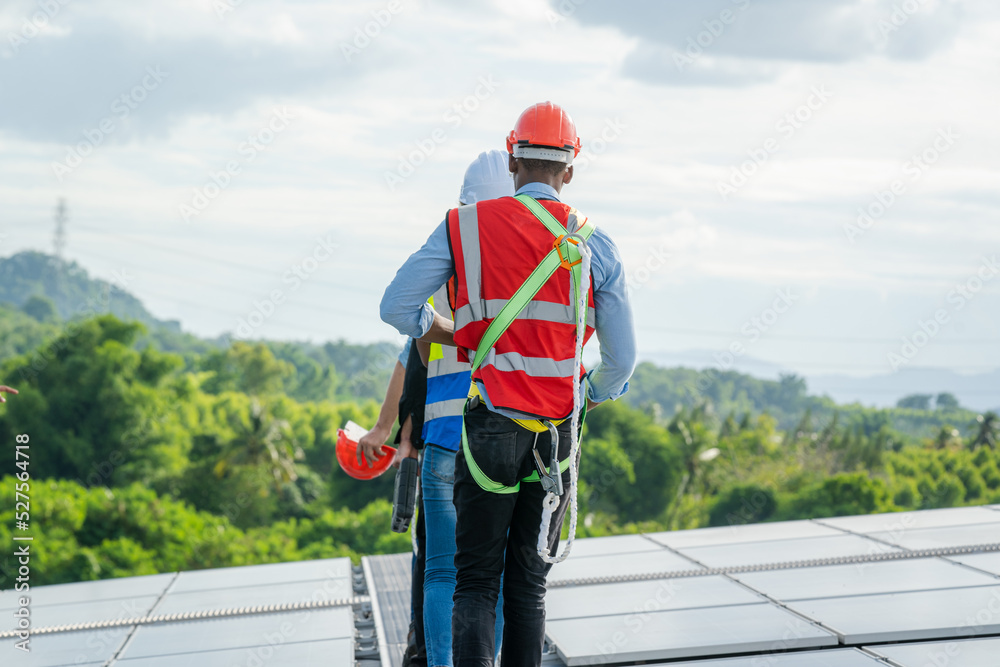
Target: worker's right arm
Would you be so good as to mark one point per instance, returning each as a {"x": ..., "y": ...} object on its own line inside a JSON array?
[
  {"x": 404, "y": 304},
  {"x": 4, "y": 389}
]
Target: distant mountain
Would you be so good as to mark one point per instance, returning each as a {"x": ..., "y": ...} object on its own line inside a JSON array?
[
  {"x": 70, "y": 288},
  {"x": 977, "y": 392}
]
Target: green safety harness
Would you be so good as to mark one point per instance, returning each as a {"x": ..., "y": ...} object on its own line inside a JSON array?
[{"x": 572, "y": 260}]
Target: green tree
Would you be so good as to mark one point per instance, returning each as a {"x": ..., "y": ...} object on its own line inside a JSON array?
[
  {"x": 915, "y": 402},
  {"x": 989, "y": 431},
  {"x": 946, "y": 401},
  {"x": 41, "y": 309}
]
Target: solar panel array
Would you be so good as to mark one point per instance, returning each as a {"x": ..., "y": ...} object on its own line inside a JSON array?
[
  {"x": 731, "y": 591},
  {"x": 889, "y": 590},
  {"x": 217, "y": 619}
]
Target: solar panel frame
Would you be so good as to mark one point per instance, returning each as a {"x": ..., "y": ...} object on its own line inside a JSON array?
[
  {"x": 216, "y": 634},
  {"x": 773, "y": 551},
  {"x": 84, "y": 612},
  {"x": 893, "y": 522},
  {"x": 846, "y": 657},
  {"x": 613, "y": 599},
  {"x": 950, "y": 653},
  {"x": 643, "y": 562},
  {"x": 92, "y": 647},
  {"x": 742, "y": 533},
  {"x": 90, "y": 591},
  {"x": 251, "y": 596},
  {"x": 863, "y": 579},
  {"x": 258, "y": 575},
  {"x": 665, "y": 635},
  {"x": 909, "y": 616},
  {"x": 989, "y": 562},
  {"x": 327, "y": 652},
  {"x": 943, "y": 536}
]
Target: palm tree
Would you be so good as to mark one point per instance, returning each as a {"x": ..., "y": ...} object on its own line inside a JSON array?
[
  {"x": 989, "y": 431},
  {"x": 262, "y": 443}
]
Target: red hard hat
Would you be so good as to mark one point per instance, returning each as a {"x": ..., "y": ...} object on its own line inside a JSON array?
[
  {"x": 544, "y": 125},
  {"x": 347, "y": 457}
]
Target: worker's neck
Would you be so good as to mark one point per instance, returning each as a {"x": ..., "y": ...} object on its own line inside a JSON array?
[{"x": 526, "y": 178}]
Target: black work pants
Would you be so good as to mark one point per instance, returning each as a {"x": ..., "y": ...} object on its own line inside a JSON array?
[{"x": 497, "y": 534}]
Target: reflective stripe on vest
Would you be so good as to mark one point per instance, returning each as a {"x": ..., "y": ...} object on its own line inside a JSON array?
[
  {"x": 544, "y": 311},
  {"x": 468, "y": 224},
  {"x": 497, "y": 244},
  {"x": 447, "y": 387}
]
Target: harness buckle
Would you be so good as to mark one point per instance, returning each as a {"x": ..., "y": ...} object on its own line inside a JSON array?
[
  {"x": 551, "y": 480},
  {"x": 557, "y": 244}
]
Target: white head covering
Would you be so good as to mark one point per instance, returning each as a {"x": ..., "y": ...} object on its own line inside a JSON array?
[{"x": 487, "y": 178}]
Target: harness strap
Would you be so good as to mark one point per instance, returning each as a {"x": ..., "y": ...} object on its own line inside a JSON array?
[{"x": 514, "y": 307}]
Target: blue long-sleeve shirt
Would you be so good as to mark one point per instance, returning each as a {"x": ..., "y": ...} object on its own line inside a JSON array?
[{"x": 404, "y": 304}]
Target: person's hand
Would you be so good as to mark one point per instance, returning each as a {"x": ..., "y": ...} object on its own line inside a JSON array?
[
  {"x": 406, "y": 449},
  {"x": 370, "y": 445},
  {"x": 4, "y": 389}
]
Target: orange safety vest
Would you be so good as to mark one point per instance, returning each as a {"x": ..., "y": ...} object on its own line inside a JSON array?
[{"x": 496, "y": 245}]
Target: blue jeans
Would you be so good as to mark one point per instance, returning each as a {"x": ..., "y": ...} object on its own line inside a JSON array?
[{"x": 437, "y": 478}]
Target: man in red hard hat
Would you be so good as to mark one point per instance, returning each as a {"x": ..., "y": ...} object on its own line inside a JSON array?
[{"x": 520, "y": 326}]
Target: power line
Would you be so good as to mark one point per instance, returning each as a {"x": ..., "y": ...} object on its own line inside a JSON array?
[{"x": 816, "y": 339}]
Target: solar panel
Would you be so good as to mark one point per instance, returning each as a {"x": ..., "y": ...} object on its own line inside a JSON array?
[
  {"x": 906, "y": 616},
  {"x": 863, "y": 579},
  {"x": 91, "y": 591},
  {"x": 65, "y": 648},
  {"x": 687, "y": 633},
  {"x": 84, "y": 612},
  {"x": 902, "y": 521},
  {"x": 753, "y": 553},
  {"x": 250, "y": 596},
  {"x": 256, "y": 575},
  {"x": 645, "y": 596},
  {"x": 951, "y": 536},
  {"x": 647, "y": 562},
  {"x": 236, "y": 632},
  {"x": 849, "y": 657},
  {"x": 330, "y": 653},
  {"x": 752, "y": 532},
  {"x": 961, "y": 653},
  {"x": 617, "y": 544},
  {"x": 989, "y": 562}
]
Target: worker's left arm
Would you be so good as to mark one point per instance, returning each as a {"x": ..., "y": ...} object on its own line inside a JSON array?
[
  {"x": 404, "y": 304},
  {"x": 614, "y": 323}
]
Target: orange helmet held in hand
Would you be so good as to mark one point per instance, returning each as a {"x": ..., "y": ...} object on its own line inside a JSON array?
[{"x": 544, "y": 132}]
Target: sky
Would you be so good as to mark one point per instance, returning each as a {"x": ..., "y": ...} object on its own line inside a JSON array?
[{"x": 811, "y": 184}]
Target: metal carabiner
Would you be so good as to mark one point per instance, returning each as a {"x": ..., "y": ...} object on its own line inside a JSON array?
[{"x": 555, "y": 475}]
